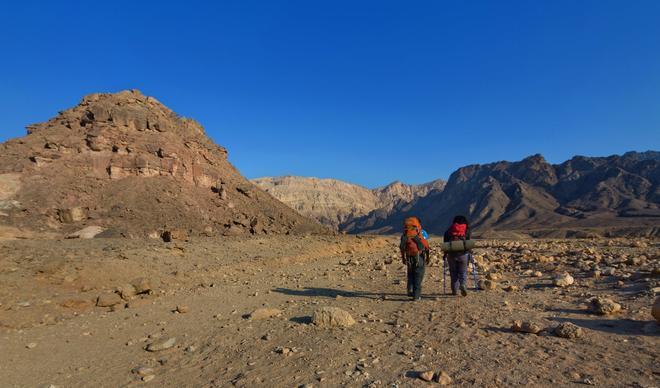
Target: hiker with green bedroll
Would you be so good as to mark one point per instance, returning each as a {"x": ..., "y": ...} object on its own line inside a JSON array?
[
  {"x": 414, "y": 255},
  {"x": 458, "y": 258}
]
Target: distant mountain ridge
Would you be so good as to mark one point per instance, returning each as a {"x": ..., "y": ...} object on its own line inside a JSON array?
[
  {"x": 333, "y": 202},
  {"x": 533, "y": 196}
]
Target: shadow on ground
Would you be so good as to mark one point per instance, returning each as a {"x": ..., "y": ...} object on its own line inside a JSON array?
[
  {"x": 615, "y": 326},
  {"x": 334, "y": 293}
]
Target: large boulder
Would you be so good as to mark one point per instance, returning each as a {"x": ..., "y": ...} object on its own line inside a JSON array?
[{"x": 332, "y": 316}]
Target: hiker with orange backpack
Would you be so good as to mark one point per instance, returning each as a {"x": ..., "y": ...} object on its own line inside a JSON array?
[
  {"x": 414, "y": 254},
  {"x": 458, "y": 261}
]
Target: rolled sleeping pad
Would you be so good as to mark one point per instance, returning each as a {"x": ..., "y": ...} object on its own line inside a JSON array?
[{"x": 458, "y": 245}]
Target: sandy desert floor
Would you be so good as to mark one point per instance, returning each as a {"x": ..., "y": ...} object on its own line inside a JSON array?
[{"x": 52, "y": 333}]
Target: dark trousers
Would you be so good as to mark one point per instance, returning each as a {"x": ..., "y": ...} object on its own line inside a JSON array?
[
  {"x": 415, "y": 275},
  {"x": 458, "y": 270}
]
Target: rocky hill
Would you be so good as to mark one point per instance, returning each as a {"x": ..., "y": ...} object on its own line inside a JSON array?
[
  {"x": 334, "y": 203},
  {"x": 128, "y": 165},
  {"x": 600, "y": 195}
]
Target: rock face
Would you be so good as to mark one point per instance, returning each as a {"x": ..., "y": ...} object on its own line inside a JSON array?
[
  {"x": 335, "y": 203},
  {"x": 616, "y": 195},
  {"x": 128, "y": 164},
  {"x": 331, "y": 317}
]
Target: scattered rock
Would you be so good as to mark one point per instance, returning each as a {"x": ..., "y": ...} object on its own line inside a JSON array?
[
  {"x": 426, "y": 376},
  {"x": 161, "y": 345},
  {"x": 563, "y": 280},
  {"x": 142, "y": 285},
  {"x": 568, "y": 330},
  {"x": 31, "y": 345},
  {"x": 108, "y": 300},
  {"x": 537, "y": 274},
  {"x": 148, "y": 378},
  {"x": 71, "y": 215},
  {"x": 604, "y": 306},
  {"x": 332, "y": 316},
  {"x": 443, "y": 378},
  {"x": 511, "y": 288},
  {"x": 127, "y": 291},
  {"x": 182, "y": 309},
  {"x": 143, "y": 371},
  {"x": 655, "y": 311},
  {"x": 525, "y": 327},
  {"x": 264, "y": 313},
  {"x": 87, "y": 232},
  {"x": 486, "y": 284}
]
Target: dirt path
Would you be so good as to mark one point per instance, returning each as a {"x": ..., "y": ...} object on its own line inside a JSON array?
[{"x": 72, "y": 344}]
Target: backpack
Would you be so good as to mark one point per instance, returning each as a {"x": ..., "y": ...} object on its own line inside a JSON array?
[
  {"x": 458, "y": 242},
  {"x": 412, "y": 241}
]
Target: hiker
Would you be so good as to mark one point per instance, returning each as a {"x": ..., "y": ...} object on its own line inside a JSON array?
[
  {"x": 414, "y": 255},
  {"x": 458, "y": 261}
]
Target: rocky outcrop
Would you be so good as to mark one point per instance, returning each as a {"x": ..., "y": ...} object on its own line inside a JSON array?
[{"x": 127, "y": 163}]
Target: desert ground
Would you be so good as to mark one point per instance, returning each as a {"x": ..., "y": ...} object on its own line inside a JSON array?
[{"x": 240, "y": 311}]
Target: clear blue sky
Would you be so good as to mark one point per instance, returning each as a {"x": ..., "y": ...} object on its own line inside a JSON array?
[{"x": 365, "y": 91}]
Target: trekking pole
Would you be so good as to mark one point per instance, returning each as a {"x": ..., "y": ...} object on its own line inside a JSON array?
[
  {"x": 474, "y": 272},
  {"x": 444, "y": 274}
]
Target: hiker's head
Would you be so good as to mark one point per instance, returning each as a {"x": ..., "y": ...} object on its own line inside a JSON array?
[{"x": 460, "y": 220}]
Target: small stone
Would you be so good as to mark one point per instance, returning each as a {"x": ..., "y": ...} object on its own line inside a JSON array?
[
  {"x": 511, "y": 288},
  {"x": 563, "y": 280},
  {"x": 537, "y": 274},
  {"x": 127, "y": 291},
  {"x": 655, "y": 311},
  {"x": 443, "y": 378},
  {"x": 182, "y": 309},
  {"x": 604, "y": 306},
  {"x": 427, "y": 375},
  {"x": 142, "y": 285},
  {"x": 31, "y": 345},
  {"x": 264, "y": 313},
  {"x": 108, "y": 300},
  {"x": 493, "y": 276},
  {"x": 161, "y": 345},
  {"x": 568, "y": 330},
  {"x": 148, "y": 378},
  {"x": 525, "y": 327},
  {"x": 487, "y": 284},
  {"x": 143, "y": 371}
]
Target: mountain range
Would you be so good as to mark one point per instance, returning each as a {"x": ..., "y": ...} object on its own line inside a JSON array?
[{"x": 614, "y": 195}]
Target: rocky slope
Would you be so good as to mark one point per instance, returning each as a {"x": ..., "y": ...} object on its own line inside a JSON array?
[
  {"x": 616, "y": 194},
  {"x": 334, "y": 203},
  {"x": 128, "y": 164}
]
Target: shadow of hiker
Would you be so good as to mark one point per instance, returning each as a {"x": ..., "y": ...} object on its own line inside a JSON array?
[
  {"x": 334, "y": 293},
  {"x": 615, "y": 326}
]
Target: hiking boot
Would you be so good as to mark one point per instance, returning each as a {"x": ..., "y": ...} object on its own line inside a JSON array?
[{"x": 463, "y": 290}]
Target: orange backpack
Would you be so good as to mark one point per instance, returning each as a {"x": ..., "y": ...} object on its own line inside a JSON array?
[{"x": 412, "y": 241}]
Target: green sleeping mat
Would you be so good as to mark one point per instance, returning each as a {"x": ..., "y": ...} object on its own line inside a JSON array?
[{"x": 458, "y": 245}]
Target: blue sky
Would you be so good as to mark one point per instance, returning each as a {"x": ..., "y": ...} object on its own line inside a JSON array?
[{"x": 364, "y": 91}]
